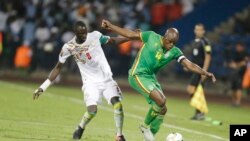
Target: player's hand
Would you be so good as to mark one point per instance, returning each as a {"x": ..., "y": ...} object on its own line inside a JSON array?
[
  {"x": 37, "y": 93},
  {"x": 106, "y": 24},
  {"x": 211, "y": 75}
]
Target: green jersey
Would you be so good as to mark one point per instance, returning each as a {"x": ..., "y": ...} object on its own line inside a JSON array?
[{"x": 153, "y": 56}]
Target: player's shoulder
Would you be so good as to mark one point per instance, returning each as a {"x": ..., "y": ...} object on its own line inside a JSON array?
[
  {"x": 205, "y": 41},
  {"x": 69, "y": 44},
  {"x": 149, "y": 35},
  {"x": 150, "y": 32},
  {"x": 176, "y": 49},
  {"x": 95, "y": 33}
]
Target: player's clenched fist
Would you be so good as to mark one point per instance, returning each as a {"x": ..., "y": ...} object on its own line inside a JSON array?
[
  {"x": 37, "y": 93},
  {"x": 105, "y": 24}
]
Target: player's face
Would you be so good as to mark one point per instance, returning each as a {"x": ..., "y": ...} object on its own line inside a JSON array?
[
  {"x": 199, "y": 31},
  {"x": 168, "y": 44},
  {"x": 170, "y": 38},
  {"x": 81, "y": 33}
]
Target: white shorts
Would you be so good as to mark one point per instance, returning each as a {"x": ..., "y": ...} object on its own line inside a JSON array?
[{"x": 94, "y": 92}]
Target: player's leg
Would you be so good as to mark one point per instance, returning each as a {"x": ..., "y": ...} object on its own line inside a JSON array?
[
  {"x": 112, "y": 94},
  {"x": 91, "y": 98},
  {"x": 160, "y": 109},
  {"x": 158, "y": 120},
  {"x": 118, "y": 117},
  {"x": 144, "y": 85},
  {"x": 88, "y": 115},
  {"x": 191, "y": 88},
  {"x": 236, "y": 90}
]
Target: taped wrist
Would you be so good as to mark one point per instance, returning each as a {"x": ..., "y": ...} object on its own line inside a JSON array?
[{"x": 45, "y": 84}]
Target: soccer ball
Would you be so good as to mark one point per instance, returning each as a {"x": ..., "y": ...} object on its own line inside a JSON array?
[{"x": 174, "y": 137}]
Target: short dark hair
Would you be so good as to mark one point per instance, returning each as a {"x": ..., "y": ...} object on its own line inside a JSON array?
[
  {"x": 200, "y": 24},
  {"x": 79, "y": 23}
]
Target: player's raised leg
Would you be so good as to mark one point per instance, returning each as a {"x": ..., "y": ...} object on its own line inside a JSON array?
[
  {"x": 159, "y": 108},
  {"x": 155, "y": 115}
]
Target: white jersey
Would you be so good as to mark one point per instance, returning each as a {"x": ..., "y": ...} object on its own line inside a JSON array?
[{"x": 89, "y": 57}]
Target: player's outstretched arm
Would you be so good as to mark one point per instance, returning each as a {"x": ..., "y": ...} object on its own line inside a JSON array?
[
  {"x": 196, "y": 69},
  {"x": 118, "y": 40},
  {"x": 53, "y": 74},
  {"x": 132, "y": 35}
]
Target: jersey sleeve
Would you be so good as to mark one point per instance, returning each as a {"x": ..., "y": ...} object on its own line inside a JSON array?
[
  {"x": 64, "y": 54},
  {"x": 179, "y": 56},
  {"x": 104, "y": 39},
  {"x": 207, "y": 46},
  {"x": 145, "y": 35}
]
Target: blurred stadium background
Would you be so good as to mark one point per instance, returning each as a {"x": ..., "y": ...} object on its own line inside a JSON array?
[{"x": 43, "y": 26}]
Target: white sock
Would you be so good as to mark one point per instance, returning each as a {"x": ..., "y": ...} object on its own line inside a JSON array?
[
  {"x": 86, "y": 119},
  {"x": 118, "y": 117}
]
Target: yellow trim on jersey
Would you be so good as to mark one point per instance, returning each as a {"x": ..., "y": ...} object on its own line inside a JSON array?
[
  {"x": 207, "y": 48},
  {"x": 141, "y": 85},
  {"x": 137, "y": 60},
  {"x": 141, "y": 36}
]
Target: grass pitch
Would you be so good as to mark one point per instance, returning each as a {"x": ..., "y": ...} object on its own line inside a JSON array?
[{"x": 55, "y": 115}]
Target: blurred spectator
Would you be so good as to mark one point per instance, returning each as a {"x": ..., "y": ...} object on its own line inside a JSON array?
[
  {"x": 33, "y": 20},
  {"x": 124, "y": 51},
  {"x": 1, "y": 43},
  {"x": 187, "y": 6},
  {"x": 238, "y": 65},
  {"x": 42, "y": 33},
  {"x": 158, "y": 14},
  {"x": 29, "y": 30},
  {"x": 242, "y": 23},
  {"x": 175, "y": 11},
  {"x": 246, "y": 78},
  {"x": 23, "y": 56},
  {"x": 3, "y": 16}
]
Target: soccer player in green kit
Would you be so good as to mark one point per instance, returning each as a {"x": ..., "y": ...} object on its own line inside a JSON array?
[{"x": 157, "y": 52}]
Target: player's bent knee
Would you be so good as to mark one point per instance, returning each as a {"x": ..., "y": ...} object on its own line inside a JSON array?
[
  {"x": 158, "y": 98},
  {"x": 164, "y": 110},
  {"x": 92, "y": 109},
  {"x": 161, "y": 102}
]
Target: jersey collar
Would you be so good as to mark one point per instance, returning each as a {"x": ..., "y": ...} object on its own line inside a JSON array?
[{"x": 74, "y": 40}]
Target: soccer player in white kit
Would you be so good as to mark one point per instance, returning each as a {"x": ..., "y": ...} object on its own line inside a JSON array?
[{"x": 96, "y": 75}]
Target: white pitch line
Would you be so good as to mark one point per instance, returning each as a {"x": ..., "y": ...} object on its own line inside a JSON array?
[
  {"x": 37, "y": 123},
  {"x": 131, "y": 115},
  {"x": 171, "y": 115}
]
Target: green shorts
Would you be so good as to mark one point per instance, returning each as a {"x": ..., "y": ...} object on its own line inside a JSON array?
[{"x": 144, "y": 84}]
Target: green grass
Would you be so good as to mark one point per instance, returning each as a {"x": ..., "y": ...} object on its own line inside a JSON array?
[{"x": 58, "y": 111}]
